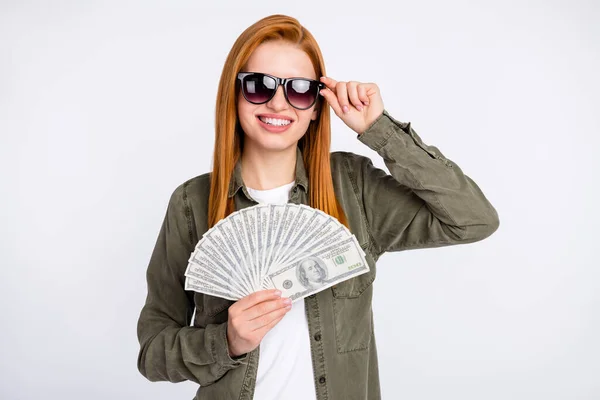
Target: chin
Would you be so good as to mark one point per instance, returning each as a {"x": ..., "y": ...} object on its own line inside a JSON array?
[
  {"x": 275, "y": 147},
  {"x": 273, "y": 142}
]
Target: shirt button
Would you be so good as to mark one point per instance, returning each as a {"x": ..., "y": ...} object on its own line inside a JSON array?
[
  {"x": 318, "y": 337},
  {"x": 322, "y": 380}
]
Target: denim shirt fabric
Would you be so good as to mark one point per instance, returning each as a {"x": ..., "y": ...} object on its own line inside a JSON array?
[{"x": 426, "y": 201}]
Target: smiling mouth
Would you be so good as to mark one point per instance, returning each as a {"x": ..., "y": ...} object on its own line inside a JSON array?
[{"x": 275, "y": 121}]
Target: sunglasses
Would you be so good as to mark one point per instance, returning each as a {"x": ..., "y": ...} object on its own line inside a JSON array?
[{"x": 300, "y": 93}]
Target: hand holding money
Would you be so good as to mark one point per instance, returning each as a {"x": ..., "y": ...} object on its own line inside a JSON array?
[{"x": 252, "y": 317}]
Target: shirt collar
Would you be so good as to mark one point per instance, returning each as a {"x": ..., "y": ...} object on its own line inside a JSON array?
[{"x": 237, "y": 183}]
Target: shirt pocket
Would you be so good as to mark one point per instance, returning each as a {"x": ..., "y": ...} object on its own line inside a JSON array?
[
  {"x": 352, "y": 311},
  {"x": 354, "y": 287}
]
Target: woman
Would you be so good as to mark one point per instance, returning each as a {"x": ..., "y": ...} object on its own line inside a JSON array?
[{"x": 272, "y": 145}]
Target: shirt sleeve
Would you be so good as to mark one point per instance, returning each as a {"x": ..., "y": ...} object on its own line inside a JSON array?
[
  {"x": 170, "y": 349},
  {"x": 427, "y": 201}
]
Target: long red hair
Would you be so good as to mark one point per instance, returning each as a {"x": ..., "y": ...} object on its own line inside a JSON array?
[{"x": 315, "y": 144}]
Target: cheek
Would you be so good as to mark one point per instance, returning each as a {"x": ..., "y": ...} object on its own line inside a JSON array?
[
  {"x": 304, "y": 119},
  {"x": 245, "y": 113}
]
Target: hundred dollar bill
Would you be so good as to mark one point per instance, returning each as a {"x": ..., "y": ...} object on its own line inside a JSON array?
[
  {"x": 307, "y": 223},
  {"x": 332, "y": 237},
  {"x": 320, "y": 227},
  {"x": 320, "y": 270},
  {"x": 200, "y": 267},
  {"x": 231, "y": 238},
  {"x": 249, "y": 218},
  {"x": 262, "y": 224},
  {"x": 348, "y": 232},
  {"x": 287, "y": 218},
  {"x": 275, "y": 217},
  {"x": 209, "y": 281},
  {"x": 241, "y": 233},
  {"x": 296, "y": 227},
  {"x": 326, "y": 232},
  {"x": 216, "y": 249},
  {"x": 202, "y": 286}
]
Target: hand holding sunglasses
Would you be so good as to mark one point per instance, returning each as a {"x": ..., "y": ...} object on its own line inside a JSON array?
[{"x": 357, "y": 104}]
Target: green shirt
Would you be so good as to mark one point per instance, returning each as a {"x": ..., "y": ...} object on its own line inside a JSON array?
[{"x": 427, "y": 201}]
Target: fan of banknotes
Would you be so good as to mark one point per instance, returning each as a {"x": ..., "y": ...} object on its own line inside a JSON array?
[{"x": 294, "y": 248}]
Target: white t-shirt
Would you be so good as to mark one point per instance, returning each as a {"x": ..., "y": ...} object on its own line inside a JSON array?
[{"x": 285, "y": 368}]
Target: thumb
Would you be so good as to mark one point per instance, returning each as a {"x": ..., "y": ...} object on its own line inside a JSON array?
[{"x": 332, "y": 100}]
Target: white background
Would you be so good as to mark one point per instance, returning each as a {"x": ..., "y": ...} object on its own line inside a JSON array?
[{"x": 105, "y": 107}]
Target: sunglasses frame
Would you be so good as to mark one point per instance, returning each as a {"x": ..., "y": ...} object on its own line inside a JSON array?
[{"x": 279, "y": 82}]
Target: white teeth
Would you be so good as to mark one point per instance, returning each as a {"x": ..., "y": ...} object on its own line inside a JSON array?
[{"x": 275, "y": 121}]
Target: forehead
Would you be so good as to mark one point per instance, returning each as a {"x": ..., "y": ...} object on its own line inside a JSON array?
[{"x": 281, "y": 59}]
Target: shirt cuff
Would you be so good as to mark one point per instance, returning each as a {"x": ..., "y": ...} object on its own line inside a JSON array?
[
  {"x": 378, "y": 133},
  {"x": 220, "y": 349}
]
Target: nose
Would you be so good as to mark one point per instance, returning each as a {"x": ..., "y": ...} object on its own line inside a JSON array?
[{"x": 278, "y": 102}]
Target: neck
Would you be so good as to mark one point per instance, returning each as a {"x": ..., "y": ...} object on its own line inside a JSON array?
[{"x": 263, "y": 170}]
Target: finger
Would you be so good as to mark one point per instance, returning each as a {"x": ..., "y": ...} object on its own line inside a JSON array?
[
  {"x": 267, "y": 319},
  {"x": 332, "y": 100},
  {"x": 329, "y": 82},
  {"x": 362, "y": 94},
  {"x": 261, "y": 332},
  {"x": 265, "y": 307},
  {"x": 255, "y": 298},
  {"x": 341, "y": 91},
  {"x": 353, "y": 95}
]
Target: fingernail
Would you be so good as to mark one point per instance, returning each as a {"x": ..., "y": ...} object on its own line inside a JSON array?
[
  {"x": 359, "y": 108},
  {"x": 345, "y": 109},
  {"x": 277, "y": 293},
  {"x": 287, "y": 301},
  {"x": 366, "y": 103}
]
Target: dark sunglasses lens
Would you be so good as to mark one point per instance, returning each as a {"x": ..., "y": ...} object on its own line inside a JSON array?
[
  {"x": 302, "y": 92},
  {"x": 258, "y": 88}
]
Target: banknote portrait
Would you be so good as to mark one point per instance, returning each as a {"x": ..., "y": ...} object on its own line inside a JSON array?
[{"x": 311, "y": 273}]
